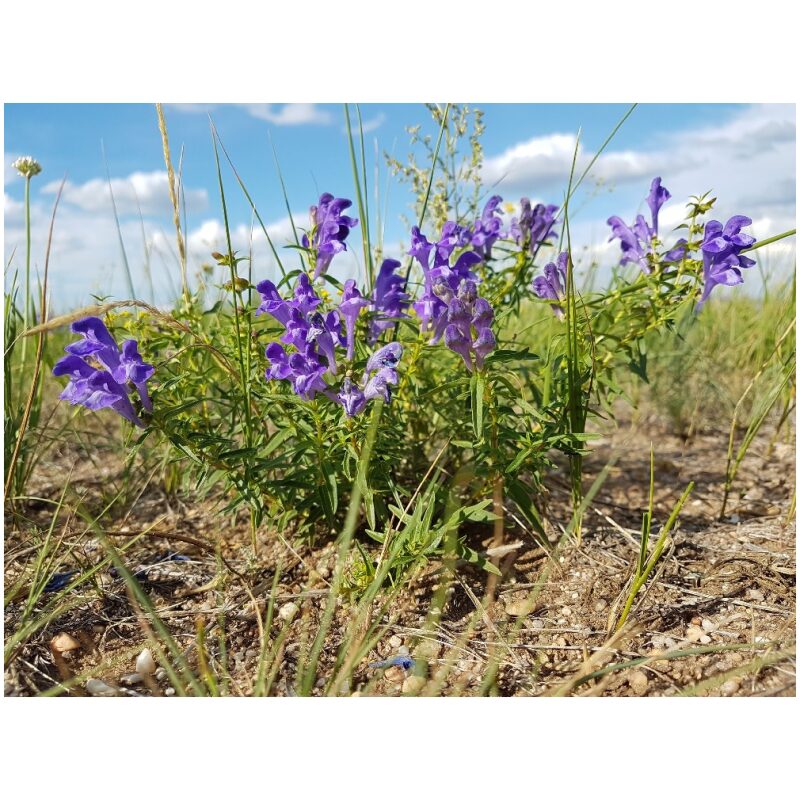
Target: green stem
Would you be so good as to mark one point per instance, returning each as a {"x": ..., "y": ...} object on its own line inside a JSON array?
[
  {"x": 765, "y": 242},
  {"x": 28, "y": 295}
]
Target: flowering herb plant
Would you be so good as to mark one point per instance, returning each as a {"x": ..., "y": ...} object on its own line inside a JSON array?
[{"x": 297, "y": 392}]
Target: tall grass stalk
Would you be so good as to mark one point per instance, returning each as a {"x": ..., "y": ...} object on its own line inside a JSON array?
[
  {"x": 645, "y": 568},
  {"x": 173, "y": 196},
  {"x": 33, "y": 402}
]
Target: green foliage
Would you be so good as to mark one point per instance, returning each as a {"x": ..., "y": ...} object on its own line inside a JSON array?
[{"x": 456, "y": 454}]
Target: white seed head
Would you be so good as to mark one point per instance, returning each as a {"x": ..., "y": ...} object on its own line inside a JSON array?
[{"x": 27, "y": 166}]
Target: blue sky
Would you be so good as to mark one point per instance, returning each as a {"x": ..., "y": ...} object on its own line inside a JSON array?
[{"x": 746, "y": 154}]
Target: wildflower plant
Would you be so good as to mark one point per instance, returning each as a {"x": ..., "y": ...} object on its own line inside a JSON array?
[{"x": 320, "y": 410}]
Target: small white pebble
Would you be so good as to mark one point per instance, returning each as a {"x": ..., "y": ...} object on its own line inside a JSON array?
[
  {"x": 145, "y": 665},
  {"x": 693, "y": 633},
  {"x": 395, "y": 642},
  {"x": 705, "y": 639},
  {"x": 99, "y": 688},
  {"x": 638, "y": 682},
  {"x": 730, "y": 687},
  {"x": 64, "y": 643},
  {"x": 288, "y": 611},
  {"x": 708, "y": 625},
  {"x": 169, "y": 691},
  {"x": 518, "y": 608}
]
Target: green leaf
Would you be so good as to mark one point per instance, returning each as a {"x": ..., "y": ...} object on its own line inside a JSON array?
[
  {"x": 477, "y": 385},
  {"x": 474, "y": 557}
]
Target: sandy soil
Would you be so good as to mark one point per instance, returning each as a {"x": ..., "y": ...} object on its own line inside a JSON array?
[{"x": 718, "y": 617}]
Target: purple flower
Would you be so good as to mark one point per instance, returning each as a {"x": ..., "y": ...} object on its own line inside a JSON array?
[
  {"x": 638, "y": 241},
  {"x": 305, "y": 298},
  {"x": 406, "y": 662},
  {"x": 678, "y": 252},
  {"x": 488, "y": 228},
  {"x": 304, "y": 370},
  {"x": 420, "y": 248},
  {"x": 453, "y": 235},
  {"x": 633, "y": 251},
  {"x": 60, "y": 580},
  {"x": 722, "y": 259},
  {"x": 325, "y": 332},
  {"x": 442, "y": 279},
  {"x": 350, "y": 307},
  {"x": 102, "y": 391},
  {"x": 134, "y": 369},
  {"x": 388, "y": 356},
  {"x": 553, "y": 284},
  {"x": 311, "y": 333},
  {"x": 97, "y": 343},
  {"x": 352, "y": 398},
  {"x": 272, "y": 303},
  {"x": 380, "y": 385},
  {"x": 330, "y": 229},
  {"x": 657, "y": 197},
  {"x": 389, "y": 300},
  {"x": 100, "y": 374},
  {"x": 534, "y": 225},
  {"x": 469, "y": 320},
  {"x": 723, "y": 241}
]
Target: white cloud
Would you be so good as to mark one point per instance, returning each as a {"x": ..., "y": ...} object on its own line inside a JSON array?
[
  {"x": 286, "y": 114},
  {"x": 290, "y": 114},
  {"x": 736, "y": 149},
  {"x": 148, "y": 191},
  {"x": 12, "y": 209},
  {"x": 210, "y": 236},
  {"x": 546, "y": 161},
  {"x": 747, "y": 162},
  {"x": 9, "y": 173},
  {"x": 369, "y": 125}
]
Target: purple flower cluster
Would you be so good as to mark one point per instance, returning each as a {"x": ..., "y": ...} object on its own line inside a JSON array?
[
  {"x": 441, "y": 279},
  {"x": 488, "y": 229},
  {"x": 553, "y": 284},
  {"x": 379, "y": 377},
  {"x": 314, "y": 337},
  {"x": 469, "y": 324},
  {"x": 535, "y": 225},
  {"x": 722, "y": 254},
  {"x": 389, "y": 300},
  {"x": 101, "y": 375},
  {"x": 638, "y": 241},
  {"x": 330, "y": 228}
]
